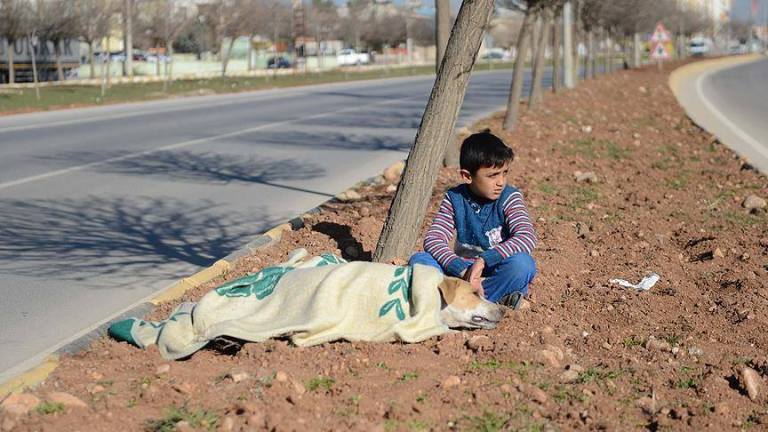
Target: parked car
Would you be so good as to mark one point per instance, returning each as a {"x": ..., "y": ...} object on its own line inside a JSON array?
[
  {"x": 350, "y": 57},
  {"x": 278, "y": 62},
  {"x": 699, "y": 47}
]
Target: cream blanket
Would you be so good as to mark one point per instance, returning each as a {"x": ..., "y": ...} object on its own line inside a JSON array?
[{"x": 311, "y": 301}]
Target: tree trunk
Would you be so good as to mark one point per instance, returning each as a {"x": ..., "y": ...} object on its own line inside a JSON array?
[
  {"x": 250, "y": 52},
  {"x": 442, "y": 29},
  {"x": 516, "y": 88},
  {"x": 535, "y": 35},
  {"x": 636, "y": 52},
  {"x": 225, "y": 56},
  {"x": 589, "y": 70},
  {"x": 557, "y": 64},
  {"x": 57, "y": 59},
  {"x": 539, "y": 64},
  {"x": 103, "y": 78},
  {"x": 412, "y": 197},
  {"x": 90, "y": 59},
  {"x": 128, "y": 33},
  {"x": 34, "y": 66},
  {"x": 109, "y": 63},
  {"x": 168, "y": 66},
  {"x": 11, "y": 66}
]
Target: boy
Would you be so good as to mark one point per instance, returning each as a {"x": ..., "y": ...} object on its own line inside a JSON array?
[{"x": 494, "y": 234}]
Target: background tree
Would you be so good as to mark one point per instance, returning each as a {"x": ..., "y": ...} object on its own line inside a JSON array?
[
  {"x": 56, "y": 21},
  {"x": 13, "y": 14},
  {"x": 442, "y": 29},
  {"x": 169, "y": 19},
  {"x": 409, "y": 205},
  {"x": 536, "y": 96},
  {"x": 93, "y": 21}
]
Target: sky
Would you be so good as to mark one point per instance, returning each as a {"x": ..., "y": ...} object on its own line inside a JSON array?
[{"x": 741, "y": 8}]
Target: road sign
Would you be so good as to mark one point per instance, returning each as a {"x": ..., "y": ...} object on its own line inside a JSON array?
[
  {"x": 660, "y": 35},
  {"x": 660, "y": 52}
]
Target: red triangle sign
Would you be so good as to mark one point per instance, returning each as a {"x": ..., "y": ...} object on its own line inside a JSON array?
[{"x": 660, "y": 34}]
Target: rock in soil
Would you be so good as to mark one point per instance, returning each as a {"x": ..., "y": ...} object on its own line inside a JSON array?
[
  {"x": 653, "y": 344},
  {"x": 587, "y": 177},
  {"x": 393, "y": 172},
  {"x": 451, "y": 381},
  {"x": 751, "y": 382},
  {"x": 349, "y": 196},
  {"x": 19, "y": 404},
  {"x": 754, "y": 202},
  {"x": 66, "y": 399},
  {"x": 480, "y": 343}
]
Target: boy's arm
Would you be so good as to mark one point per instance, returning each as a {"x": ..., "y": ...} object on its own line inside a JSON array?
[
  {"x": 522, "y": 236},
  {"x": 438, "y": 238}
]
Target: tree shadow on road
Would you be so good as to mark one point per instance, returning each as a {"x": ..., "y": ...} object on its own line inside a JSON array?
[{"x": 76, "y": 239}]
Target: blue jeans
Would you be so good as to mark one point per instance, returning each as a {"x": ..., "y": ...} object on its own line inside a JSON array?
[{"x": 511, "y": 275}]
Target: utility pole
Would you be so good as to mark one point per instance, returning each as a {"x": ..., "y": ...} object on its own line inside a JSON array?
[
  {"x": 569, "y": 80},
  {"x": 128, "y": 38}
]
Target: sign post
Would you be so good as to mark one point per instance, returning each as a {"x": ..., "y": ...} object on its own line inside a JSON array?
[{"x": 659, "y": 42}]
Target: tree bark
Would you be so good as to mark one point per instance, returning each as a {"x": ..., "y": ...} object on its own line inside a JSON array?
[
  {"x": 442, "y": 29},
  {"x": 57, "y": 55},
  {"x": 412, "y": 197},
  {"x": 109, "y": 63},
  {"x": 539, "y": 64},
  {"x": 250, "y": 53},
  {"x": 90, "y": 59},
  {"x": 225, "y": 56},
  {"x": 589, "y": 70},
  {"x": 516, "y": 88},
  {"x": 168, "y": 66},
  {"x": 34, "y": 66},
  {"x": 128, "y": 33},
  {"x": 11, "y": 67},
  {"x": 557, "y": 64}
]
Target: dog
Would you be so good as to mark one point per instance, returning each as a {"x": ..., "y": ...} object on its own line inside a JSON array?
[{"x": 462, "y": 307}]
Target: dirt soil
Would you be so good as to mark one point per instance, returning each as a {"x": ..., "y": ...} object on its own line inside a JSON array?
[{"x": 583, "y": 354}]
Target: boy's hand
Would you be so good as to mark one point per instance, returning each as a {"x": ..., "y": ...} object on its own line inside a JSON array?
[{"x": 474, "y": 274}]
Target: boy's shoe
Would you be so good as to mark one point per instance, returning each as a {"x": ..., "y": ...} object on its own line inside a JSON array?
[{"x": 511, "y": 300}]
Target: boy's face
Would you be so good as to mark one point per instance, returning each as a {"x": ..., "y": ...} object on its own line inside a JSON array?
[{"x": 487, "y": 182}]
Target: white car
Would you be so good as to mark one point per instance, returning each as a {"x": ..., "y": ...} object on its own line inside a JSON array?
[{"x": 350, "y": 57}]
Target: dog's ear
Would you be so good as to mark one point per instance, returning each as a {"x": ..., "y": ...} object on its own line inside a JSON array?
[{"x": 448, "y": 287}]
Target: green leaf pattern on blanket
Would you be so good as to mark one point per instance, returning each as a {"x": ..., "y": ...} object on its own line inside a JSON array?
[
  {"x": 400, "y": 283},
  {"x": 261, "y": 285},
  {"x": 329, "y": 259}
]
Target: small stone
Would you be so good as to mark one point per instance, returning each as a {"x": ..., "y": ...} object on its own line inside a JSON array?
[
  {"x": 594, "y": 253},
  {"x": 642, "y": 90},
  {"x": 281, "y": 376},
  {"x": 675, "y": 350},
  {"x": 97, "y": 376},
  {"x": 695, "y": 351},
  {"x": 163, "y": 369},
  {"x": 586, "y": 177},
  {"x": 227, "y": 425},
  {"x": 8, "y": 424},
  {"x": 18, "y": 404},
  {"x": 582, "y": 230},
  {"x": 184, "y": 388},
  {"x": 451, "y": 381},
  {"x": 722, "y": 409},
  {"x": 569, "y": 376},
  {"x": 298, "y": 387},
  {"x": 238, "y": 376},
  {"x": 524, "y": 305},
  {"x": 607, "y": 346},
  {"x": 97, "y": 389},
  {"x": 480, "y": 343},
  {"x": 506, "y": 388},
  {"x": 550, "y": 358},
  {"x": 718, "y": 253},
  {"x": 365, "y": 212},
  {"x": 184, "y": 426},
  {"x": 744, "y": 257},
  {"x": 586, "y": 129},
  {"x": 391, "y": 189},
  {"x": 647, "y": 404},
  {"x": 751, "y": 381},
  {"x": 349, "y": 196},
  {"x": 636, "y": 135},
  {"x": 754, "y": 202},
  {"x": 534, "y": 393},
  {"x": 393, "y": 173},
  {"x": 66, "y": 399},
  {"x": 764, "y": 242},
  {"x": 653, "y": 344}
]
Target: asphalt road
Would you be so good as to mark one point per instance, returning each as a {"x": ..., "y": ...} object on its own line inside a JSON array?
[
  {"x": 100, "y": 208},
  {"x": 731, "y": 102}
]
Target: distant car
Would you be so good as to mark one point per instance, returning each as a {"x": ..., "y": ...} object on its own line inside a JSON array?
[
  {"x": 278, "y": 62},
  {"x": 350, "y": 57},
  {"x": 698, "y": 48},
  {"x": 493, "y": 55}
]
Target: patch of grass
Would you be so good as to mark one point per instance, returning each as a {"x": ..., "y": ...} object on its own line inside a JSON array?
[
  {"x": 615, "y": 151},
  {"x": 686, "y": 383},
  {"x": 548, "y": 188},
  {"x": 408, "y": 376},
  {"x": 132, "y": 402},
  {"x": 521, "y": 369},
  {"x": 678, "y": 182},
  {"x": 632, "y": 341},
  {"x": 197, "y": 419},
  {"x": 597, "y": 375},
  {"x": 645, "y": 122},
  {"x": 673, "y": 339},
  {"x": 382, "y": 365},
  {"x": 324, "y": 383},
  {"x": 565, "y": 394},
  {"x": 421, "y": 398},
  {"x": 490, "y": 364},
  {"x": 583, "y": 195},
  {"x": 488, "y": 422},
  {"x": 586, "y": 147},
  {"x": 739, "y": 218},
  {"x": 45, "y": 408},
  {"x": 417, "y": 425},
  {"x": 592, "y": 148}
]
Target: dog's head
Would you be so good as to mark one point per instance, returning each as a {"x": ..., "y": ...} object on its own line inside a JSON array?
[{"x": 463, "y": 308}]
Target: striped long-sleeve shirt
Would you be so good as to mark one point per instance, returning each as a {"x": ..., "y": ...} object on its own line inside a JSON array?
[{"x": 493, "y": 230}]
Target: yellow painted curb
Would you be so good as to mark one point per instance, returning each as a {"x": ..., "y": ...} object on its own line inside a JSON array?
[
  {"x": 276, "y": 233},
  {"x": 179, "y": 288},
  {"x": 685, "y": 72},
  {"x": 31, "y": 377}
]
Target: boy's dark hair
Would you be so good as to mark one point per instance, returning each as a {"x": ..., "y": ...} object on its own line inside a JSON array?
[{"x": 484, "y": 150}]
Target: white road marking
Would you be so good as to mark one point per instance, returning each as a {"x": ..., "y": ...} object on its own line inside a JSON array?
[
  {"x": 748, "y": 139},
  {"x": 191, "y": 142}
]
